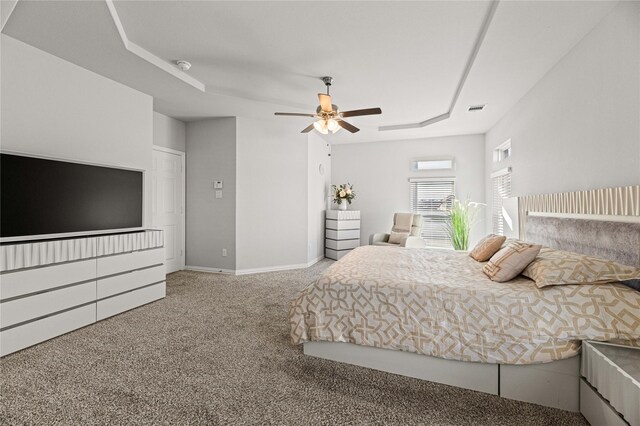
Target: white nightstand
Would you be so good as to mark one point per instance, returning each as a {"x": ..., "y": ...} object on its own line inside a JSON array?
[
  {"x": 610, "y": 384},
  {"x": 342, "y": 232}
]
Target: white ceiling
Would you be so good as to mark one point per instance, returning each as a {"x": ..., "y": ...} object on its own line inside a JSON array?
[{"x": 256, "y": 58}]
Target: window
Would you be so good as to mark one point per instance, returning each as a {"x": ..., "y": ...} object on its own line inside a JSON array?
[
  {"x": 431, "y": 197},
  {"x": 502, "y": 152},
  {"x": 501, "y": 181}
]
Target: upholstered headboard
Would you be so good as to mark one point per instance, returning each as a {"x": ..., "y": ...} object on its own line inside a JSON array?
[
  {"x": 603, "y": 223},
  {"x": 618, "y": 241}
]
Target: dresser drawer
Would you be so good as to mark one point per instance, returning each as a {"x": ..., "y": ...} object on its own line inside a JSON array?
[
  {"x": 342, "y": 244},
  {"x": 342, "y": 224},
  {"x": 35, "y": 280},
  {"x": 31, "y": 307},
  {"x": 110, "y": 265},
  {"x": 29, "y": 334},
  {"x": 347, "y": 234},
  {"x": 126, "y": 301},
  {"x": 130, "y": 281}
]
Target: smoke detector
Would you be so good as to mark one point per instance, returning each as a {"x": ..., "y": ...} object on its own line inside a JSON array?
[{"x": 183, "y": 65}]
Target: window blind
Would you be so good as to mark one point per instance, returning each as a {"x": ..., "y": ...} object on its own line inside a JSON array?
[
  {"x": 501, "y": 190},
  {"x": 431, "y": 197}
]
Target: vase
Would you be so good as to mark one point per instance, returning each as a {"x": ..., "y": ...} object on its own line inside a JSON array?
[{"x": 343, "y": 205}]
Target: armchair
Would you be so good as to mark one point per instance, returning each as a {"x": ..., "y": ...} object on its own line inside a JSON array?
[{"x": 412, "y": 240}]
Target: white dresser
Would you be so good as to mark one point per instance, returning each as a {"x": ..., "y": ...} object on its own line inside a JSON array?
[
  {"x": 342, "y": 232},
  {"x": 49, "y": 288},
  {"x": 610, "y": 384}
]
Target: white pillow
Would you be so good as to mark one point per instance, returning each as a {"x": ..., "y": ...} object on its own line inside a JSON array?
[{"x": 397, "y": 237}]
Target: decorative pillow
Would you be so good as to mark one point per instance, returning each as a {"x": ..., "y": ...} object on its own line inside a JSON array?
[
  {"x": 559, "y": 267},
  {"x": 507, "y": 263},
  {"x": 487, "y": 247},
  {"x": 397, "y": 237}
]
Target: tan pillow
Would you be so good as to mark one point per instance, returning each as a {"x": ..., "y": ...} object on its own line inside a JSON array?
[
  {"x": 559, "y": 267},
  {"x": 507, "y": 263},
  {"x": 487, "y": 247},
  {"x": 397, "y": 237}
]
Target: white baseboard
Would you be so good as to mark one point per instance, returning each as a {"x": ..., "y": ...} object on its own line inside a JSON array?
[
  {"x": 316, "y": 260},
  {"x": 210, "y": 270},
  {"x": 255, "y": 270}
]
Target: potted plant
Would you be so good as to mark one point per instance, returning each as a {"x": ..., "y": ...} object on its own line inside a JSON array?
[
  {"x": 461, "y": 217},
  {"x": 343, "y": 194}
]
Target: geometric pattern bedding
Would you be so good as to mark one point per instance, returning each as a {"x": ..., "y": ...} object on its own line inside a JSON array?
[{"x": 439, "y": 303}]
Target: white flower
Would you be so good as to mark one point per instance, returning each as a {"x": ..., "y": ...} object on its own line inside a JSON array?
[
  {"x": 342, "y": 193},
  {"x": 348, "y": 191}
]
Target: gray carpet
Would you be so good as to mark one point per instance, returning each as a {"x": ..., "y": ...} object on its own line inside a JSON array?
[{"x": 216, "y": 351}]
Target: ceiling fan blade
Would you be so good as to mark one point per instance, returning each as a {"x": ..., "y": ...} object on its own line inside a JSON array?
[
  {"x": 325, "y": 102},
  {"x": 295, "y": 114},
  {"x": 356, "y": 112},
  {"x": 308, "y": 128},
  {"x": 347, "y": 126}
]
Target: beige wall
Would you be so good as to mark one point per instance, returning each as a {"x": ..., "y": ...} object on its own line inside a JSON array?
[
  {"x": 169, "y": 132},
  {"x": 579, "y": 127},
  {"x": 380, "y": 172},
  {"x": 51, "y": 107}
]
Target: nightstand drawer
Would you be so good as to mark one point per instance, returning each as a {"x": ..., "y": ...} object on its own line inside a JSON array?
[{"x": 613, "y": 371}]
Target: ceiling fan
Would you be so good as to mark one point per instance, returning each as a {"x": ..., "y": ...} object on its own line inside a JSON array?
[{"x": 329, "y": 117}]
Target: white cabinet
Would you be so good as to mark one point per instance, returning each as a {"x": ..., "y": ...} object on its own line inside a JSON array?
[
  {"x": 610, "y": 384},
  {"x": 45, "y": 293},
  {"x": 342, "y": 232}
]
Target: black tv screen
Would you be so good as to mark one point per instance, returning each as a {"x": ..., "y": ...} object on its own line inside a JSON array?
[{"x": 40, "y": 197}]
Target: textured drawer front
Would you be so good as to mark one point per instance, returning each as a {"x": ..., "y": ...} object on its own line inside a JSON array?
[
  {"x": 126, "y": 262},
  {"x": 349, "y": 234},
  {"x": 335, "y": 254},
  {"x": 615, "y": 385},
  {"x": 34, "y": 332},
  {"x": 342, "y": 244},
  {"x": 343, "y": 214},
  {"x": 130, "y": 281},
  {"x": 124, "y": 302},
  {"x": 14, "y": 284},
  {"x": 595, "y": 409},
  {"x": 31, "y": 307},
  {"x": 343, "y": 224}
]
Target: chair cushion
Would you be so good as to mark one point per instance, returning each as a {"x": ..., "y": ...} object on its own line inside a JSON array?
[{"x": 396, "y": 237}]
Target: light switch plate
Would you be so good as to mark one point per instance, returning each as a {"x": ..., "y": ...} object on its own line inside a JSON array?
[
  {"x": 217, "y": 184},
  {"x": 218, "y": 194}
]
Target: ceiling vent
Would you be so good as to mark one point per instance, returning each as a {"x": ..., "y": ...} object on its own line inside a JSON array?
[{"x": 473, "y": 108}]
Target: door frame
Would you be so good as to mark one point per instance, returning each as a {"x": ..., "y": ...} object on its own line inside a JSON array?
[{"x": 183, "y": 207}]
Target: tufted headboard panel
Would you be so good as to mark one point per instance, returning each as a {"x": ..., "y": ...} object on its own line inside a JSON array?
[{"x": 618, "y": 241}]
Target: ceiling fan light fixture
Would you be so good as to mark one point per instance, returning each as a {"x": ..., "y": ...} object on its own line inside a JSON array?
[
  {"x": 332, "y": 125},
  {"x": 321, "y": 126}
]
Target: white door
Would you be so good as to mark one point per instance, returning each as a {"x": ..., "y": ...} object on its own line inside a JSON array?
[{"x": 167, "y": 208}]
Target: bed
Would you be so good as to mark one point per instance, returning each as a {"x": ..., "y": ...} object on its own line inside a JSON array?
[{"x": 434, "y": 315}]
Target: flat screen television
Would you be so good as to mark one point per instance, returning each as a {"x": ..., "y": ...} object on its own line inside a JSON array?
[{"x": 43, "y": 198}]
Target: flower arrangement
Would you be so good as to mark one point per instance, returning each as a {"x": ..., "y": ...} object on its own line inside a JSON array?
[
  {"x": 462, "y": 217},
  {"x": 343, "y": 193}
]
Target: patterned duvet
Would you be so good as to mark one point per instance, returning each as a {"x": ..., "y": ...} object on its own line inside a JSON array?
[{"x": 439, "y": 303}]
